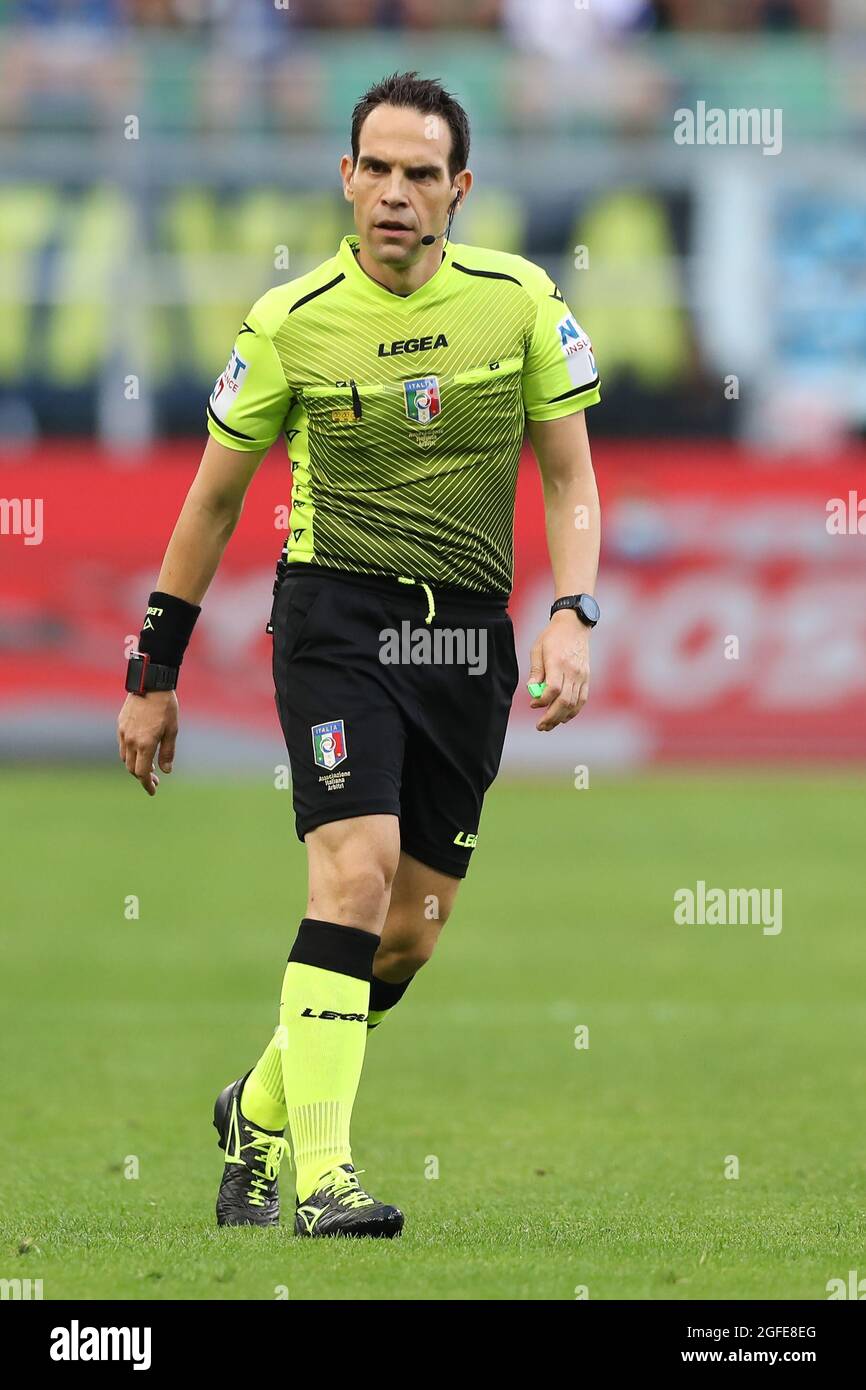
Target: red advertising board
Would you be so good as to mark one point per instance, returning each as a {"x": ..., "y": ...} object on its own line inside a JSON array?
[{"x": 733, "y": 614}]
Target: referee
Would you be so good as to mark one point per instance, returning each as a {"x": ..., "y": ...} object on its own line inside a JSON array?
[{"x": 400, "y": 373}]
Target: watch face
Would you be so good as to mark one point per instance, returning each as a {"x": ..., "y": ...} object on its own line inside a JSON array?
[{"x": 589, "y": 608}]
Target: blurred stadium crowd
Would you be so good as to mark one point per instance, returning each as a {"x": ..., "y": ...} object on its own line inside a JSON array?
[
  {"x": 165, "y": 161},
  {"x": 529, "y": 22},
  {"x": 86, "y": 49}
]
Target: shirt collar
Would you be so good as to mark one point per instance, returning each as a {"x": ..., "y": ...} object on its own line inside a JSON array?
[{"x": 358, "y": 277}]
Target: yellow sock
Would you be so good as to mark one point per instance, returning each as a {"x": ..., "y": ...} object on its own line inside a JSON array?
[
  {"x": 323, "y": 1010},
  {"x": 263, "y": 1101}
]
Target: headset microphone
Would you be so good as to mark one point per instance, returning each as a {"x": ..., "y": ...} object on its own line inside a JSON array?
[{"x": 429, "y": 239}]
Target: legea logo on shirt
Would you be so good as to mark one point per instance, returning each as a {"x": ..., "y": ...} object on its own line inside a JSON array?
[{"x": 228, "y": 386}]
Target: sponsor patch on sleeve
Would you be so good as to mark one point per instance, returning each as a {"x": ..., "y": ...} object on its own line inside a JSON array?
[
  {"x": 228, "y": 386},
  {"x": 577, "y": 351}
]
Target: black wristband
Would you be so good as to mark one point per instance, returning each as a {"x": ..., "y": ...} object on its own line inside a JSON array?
[{"x": 168, "y": 626}]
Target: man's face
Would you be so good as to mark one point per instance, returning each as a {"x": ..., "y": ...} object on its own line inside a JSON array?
[{"x": 400, "y": 184}]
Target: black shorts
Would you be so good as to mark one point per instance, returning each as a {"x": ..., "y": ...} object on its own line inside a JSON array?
[{"x": 381, "y": 720}]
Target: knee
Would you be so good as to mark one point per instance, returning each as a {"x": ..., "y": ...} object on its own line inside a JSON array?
[
  {"x": 356, "y": 892},
  {"x": 398, "y": 961},
  {"x": 395, "y": 963}
]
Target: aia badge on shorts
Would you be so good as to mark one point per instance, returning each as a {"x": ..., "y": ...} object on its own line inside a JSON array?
[
  {"x": 329, "y": 744},
  {"x": 423, "y": 402}
]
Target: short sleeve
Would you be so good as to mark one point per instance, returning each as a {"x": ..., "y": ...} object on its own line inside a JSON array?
[
  {"x": 251, "y": 398},
  {"x": 559, "y": 371}
]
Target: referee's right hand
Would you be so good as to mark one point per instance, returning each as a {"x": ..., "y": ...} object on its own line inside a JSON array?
[{"x": 145, "y": 723}]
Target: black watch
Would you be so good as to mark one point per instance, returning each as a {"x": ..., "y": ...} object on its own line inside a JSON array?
[
  {"x": 142, "y": 675},
  {"x": 584, "y": 606}
]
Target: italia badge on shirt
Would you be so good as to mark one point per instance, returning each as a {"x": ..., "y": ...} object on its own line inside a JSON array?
[
  {"x": 423, "y": 402},
  {"x": 329, "y": 743}
]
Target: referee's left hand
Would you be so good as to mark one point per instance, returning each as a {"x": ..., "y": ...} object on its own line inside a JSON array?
[
  {"x": 560, "y": 658},
  {"x": 147, "y": 723}
]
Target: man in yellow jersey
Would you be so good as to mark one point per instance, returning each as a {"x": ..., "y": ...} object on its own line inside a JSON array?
[{"x": 401, "y": 373}]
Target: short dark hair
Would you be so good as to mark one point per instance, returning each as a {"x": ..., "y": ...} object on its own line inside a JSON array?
[{"x": 425, "y": 94}]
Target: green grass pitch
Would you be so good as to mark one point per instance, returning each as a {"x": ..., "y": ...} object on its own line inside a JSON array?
[{"x": 558, "y": 1168}]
